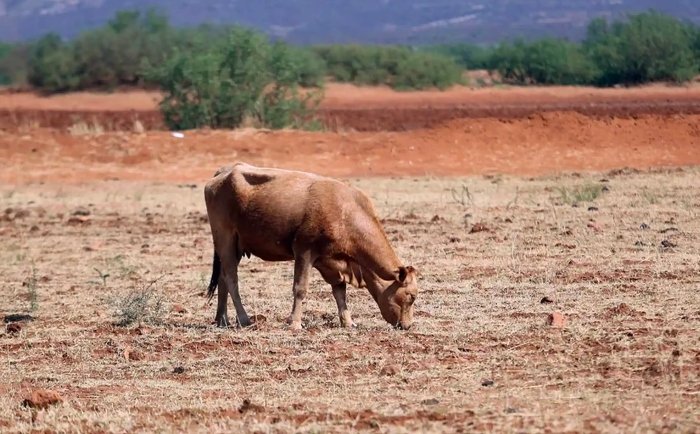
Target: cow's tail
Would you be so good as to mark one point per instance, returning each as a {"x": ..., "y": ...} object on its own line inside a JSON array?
[{"x": 215, "y": 272}]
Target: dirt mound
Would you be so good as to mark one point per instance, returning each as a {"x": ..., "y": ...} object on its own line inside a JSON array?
[{"x": 539, "y": 144}]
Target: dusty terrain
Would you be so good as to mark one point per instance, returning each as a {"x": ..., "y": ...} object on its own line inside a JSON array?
[
  {"x": 510, "y": 219},
  {"x": 622, "y": 268}
]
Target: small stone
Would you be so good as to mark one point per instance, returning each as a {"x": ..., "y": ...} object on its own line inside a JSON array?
[
  {"x": 178, "y": 308},
  {"x": 546, "y": 300},
  {"x": 42, "y": 398},
  {"x": 179, "y": 370},
  {"x": 592, "y": 208},
  {"x": 81, "y": 212},
  {"x": 78, "y": 220},
  {"x": 487, "y": 382},
  {"x": 594, "y": 226},
  {"x": 133, "y": 355},
  {"x": 556, "y": 320},
  {"x": 249, "y": 406},
  {"x": 479, "y": 227},
  {"x": 13, "y": 328},
  {"x": 430, "y": 401},
  {"x": 644, "y": 226},
  {"x": 390, "y": 370},
  {"x": 666, "y": 244}
]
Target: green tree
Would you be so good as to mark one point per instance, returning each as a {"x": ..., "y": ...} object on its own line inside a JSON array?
[
  {"x": 647, "y": 47},
  {"x": 223, "y": 86},
  {"x": 52, "y": 67}
]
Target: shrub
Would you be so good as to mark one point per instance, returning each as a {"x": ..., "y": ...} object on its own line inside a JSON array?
[
  {"x": 243, "y": 78},
  {"x": 647, "y": 47},
  {"x": 140, "y": 306},
  {"x": 547, "y": 61},
  {"x": 426, "y": 70},
  {"x": 468, "y": 56},
  {"x": 399, "y": 67},
  {"x": 52, "y": 67}
]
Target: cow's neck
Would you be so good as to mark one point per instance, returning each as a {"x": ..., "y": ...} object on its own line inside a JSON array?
[{"x": 376, "y": 285}]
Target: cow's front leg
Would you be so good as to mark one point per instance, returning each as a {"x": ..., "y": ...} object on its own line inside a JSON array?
[
  {"x": 302, "y": 267},
  {"x": 340, "y": 295}
]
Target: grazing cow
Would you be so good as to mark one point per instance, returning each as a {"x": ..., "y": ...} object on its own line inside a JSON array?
[{"x": 282, "y": 215}]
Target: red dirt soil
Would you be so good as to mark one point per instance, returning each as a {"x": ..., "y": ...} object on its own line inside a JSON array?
[
  {"x": 538, "y": 144},
  {"x": 347, "y": 107}
]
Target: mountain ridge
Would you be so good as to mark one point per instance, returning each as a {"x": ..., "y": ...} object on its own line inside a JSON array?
[{"x": 339, "y": 21}]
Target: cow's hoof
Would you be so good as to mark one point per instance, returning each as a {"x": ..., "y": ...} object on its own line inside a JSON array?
[{"x": 222, "y": 322}]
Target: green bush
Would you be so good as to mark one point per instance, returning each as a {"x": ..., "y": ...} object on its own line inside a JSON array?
[
  {"x": 229, "y": 83},
  {"x": 647, "y": 47},
  {"x": 547, "y": 61},
  {"x": 399, "y": 67},
  {"x": 52, "y": 67},
  {"x": 468, "y": 56},
  {"x": 426, "y": 70}
]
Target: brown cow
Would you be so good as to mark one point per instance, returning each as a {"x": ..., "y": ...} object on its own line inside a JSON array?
[{"x": 282, "y": 215}]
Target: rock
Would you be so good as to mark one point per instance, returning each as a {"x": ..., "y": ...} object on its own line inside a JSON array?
[
  {"x": 546, "y": 300},
  {"x": 592, "y": 208},
  {"x": 556, "y": 320},
  {"x": 479, "y": 227},
  {"x": 21, "y": 213},
  {"x": 390, "y": 370},
  {"x": 178, "y": 308},
  {"x": 83, "y": 212},
  {"x": 133, "y": 355},
  {"x": 644, "y": 226},
  {"x": 13, "y": 328},
  {"x": 78, "y": 220},
  {"x": 594, "y": 226},
  {"x": 430, "y": 401},
  {"x": 42, "y": 398},
  {"x": 249, "y": 406},
  {"x": 179, "y": 370},
  {"x": 666, "y": 244},
  {"x": 487, "y": 382}
]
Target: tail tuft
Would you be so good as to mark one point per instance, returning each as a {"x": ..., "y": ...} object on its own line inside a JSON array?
[{"x": 215, "y": 272}]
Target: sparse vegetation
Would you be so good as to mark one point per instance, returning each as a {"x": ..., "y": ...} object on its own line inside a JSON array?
[
  {"x": 32, "y": 284},
  {"x": 139, "y": 306},
  {"x": 582, "y": 193},
  {"x": 628, "y": 338}
]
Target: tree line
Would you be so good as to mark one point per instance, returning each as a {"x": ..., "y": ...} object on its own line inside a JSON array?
[{"x": 226, "y": 76}]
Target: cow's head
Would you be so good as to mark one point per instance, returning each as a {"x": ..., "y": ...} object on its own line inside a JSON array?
[{"x": 396, "y": 303}]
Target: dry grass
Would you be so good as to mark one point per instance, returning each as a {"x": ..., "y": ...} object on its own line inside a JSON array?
[{"x": 481, "y": 357}]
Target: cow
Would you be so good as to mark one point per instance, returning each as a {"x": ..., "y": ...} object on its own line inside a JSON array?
[{"x": 318, "y": 222}]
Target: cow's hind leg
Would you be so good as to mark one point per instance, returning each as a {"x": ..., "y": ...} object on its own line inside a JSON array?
[
  {"x": 221, "y": 305},
  {"x": 339, "y": 293},
  {"x": 230, "y": 258}
]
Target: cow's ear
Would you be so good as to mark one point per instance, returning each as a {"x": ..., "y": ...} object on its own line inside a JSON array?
[{"x": 402, "y": 274}]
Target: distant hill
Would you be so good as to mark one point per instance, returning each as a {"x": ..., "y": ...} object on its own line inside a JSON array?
[{"x": 333, "y": 21}]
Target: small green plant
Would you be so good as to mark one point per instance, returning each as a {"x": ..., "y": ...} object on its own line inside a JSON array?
[
  {"x": 102, "y": 276},
  {"x": 582, "y": 193},
  {"x": 139, "y": 306},
  {"x": 32, "y": 288},
  {"x": 461, "y": 196},
  {"x": 650, "y": 197}
]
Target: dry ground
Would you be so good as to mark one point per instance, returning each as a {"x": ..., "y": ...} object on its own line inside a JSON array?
[{"x": 622, "y": 268}]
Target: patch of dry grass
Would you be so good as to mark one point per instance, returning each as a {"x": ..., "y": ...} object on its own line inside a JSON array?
[{"x": 480, "y": 358}]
